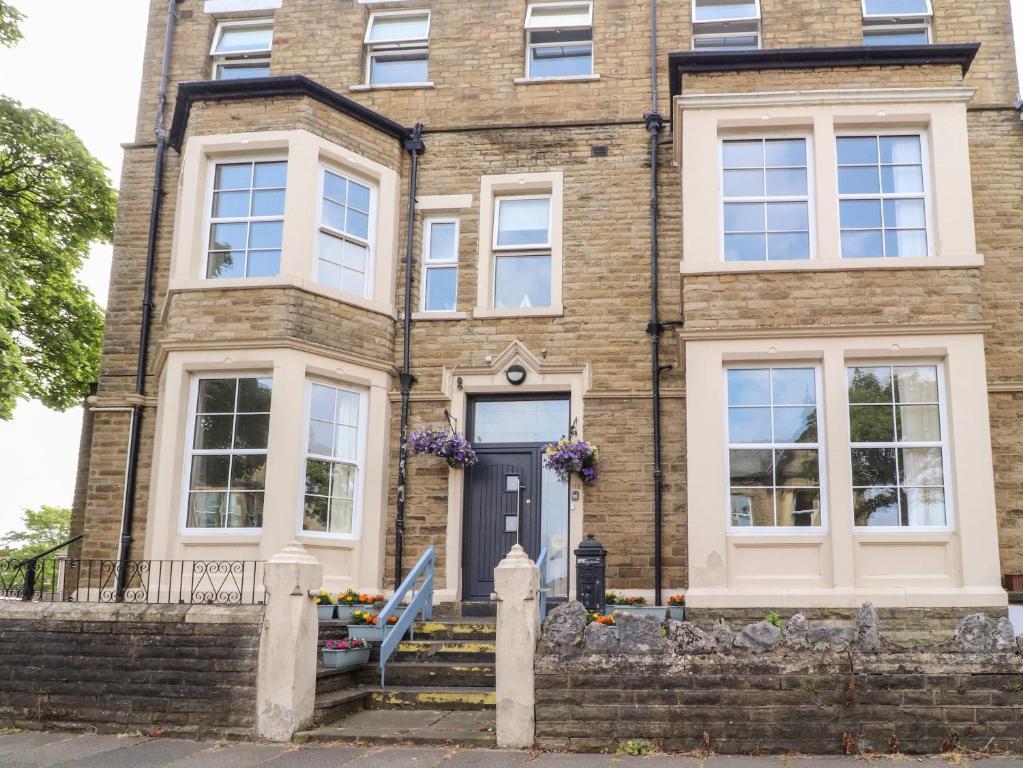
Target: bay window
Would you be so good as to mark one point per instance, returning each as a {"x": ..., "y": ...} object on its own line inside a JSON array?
[
  {"x": 897, "y": 445},
  {"x": 774, "y": 453},
  {"x": 897, "y": 22},
  {"x": 522, "y": 251},
  {"x": 344, "y": 247},
  {"x": 398, "y": 48},
  {"x": 333, "y": 458},
  {"x": 726, "y": 25},
  {"x": 559, "y": 40},
  {"x": 246, "y": 219},
  {"x": 882, "y": 197},
  {"x": 242, "y": 49},
  {"x": 766, "y": 199},
  {"x": 227, "y": 455}
]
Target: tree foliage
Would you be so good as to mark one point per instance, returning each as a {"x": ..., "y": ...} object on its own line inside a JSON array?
[
  {"x": 43, "y": 528},
  {"x": 55, "y": 201},
  {"x": 10, "y": 18}
]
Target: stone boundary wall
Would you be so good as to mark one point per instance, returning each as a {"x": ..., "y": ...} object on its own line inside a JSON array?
[
  {"x": 805, "y": 689},
  {"x": 184, "y": 669},
  {"x": 902, "y": 626}
]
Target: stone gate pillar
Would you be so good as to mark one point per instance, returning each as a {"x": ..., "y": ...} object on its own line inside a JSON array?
[
  {"x": 286, "y": 684},
  {"x": 517, "y": 588}
]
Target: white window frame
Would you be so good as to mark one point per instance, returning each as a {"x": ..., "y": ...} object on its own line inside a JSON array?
[
  {"x": 391, "y": 46},
  {"x": 925, "y": 170},
  {"x": 529, "y": 26},
  {"x": 531, "y": 249},
  {"x": 190, "y": 451},
  {"x": 900, "y": 22},
  {"x": 822, "y": 461},
  {"x": 428, "y": 263},
  {"x": 322, "y": 228},
  {"x": 943, "y": 422},
  {"x": 809, "y": 198},
  {"x": 250, "y": 56},
  {"x": 360, "y": 465},
  {"x": 209, "y": 219},
  {"x": 697, "y": 26}
]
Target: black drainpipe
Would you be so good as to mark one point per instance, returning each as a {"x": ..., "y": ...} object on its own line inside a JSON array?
[
  {"x": 415, "y": 147},
  {"x": 135, "y": 431},
  {"x": 654, "y": 124}
]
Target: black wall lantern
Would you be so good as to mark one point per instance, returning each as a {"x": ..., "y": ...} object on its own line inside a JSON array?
[{"x": 515, "y": 374}]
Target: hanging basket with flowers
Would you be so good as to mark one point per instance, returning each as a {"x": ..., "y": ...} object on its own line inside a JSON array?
[
  {"x": 569, "y": 456},
  {"x": 454, "y": 448}
]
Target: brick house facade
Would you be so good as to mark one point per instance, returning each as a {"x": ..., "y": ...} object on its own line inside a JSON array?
[{"x": 293, "y": 309}]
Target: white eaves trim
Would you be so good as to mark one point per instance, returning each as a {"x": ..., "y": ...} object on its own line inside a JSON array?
[
  {"x": 240, "y": 6},
  {"x": 795, "y": 98}
]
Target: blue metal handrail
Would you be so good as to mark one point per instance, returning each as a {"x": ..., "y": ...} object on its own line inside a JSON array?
[
  {"x": 541, "y": 563},
  {"x": 420, "y": 602}
]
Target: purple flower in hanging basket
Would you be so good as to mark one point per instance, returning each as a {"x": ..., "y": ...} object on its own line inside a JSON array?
[
  {"x": 454, "y": 448},
  {"x": 569, "y": 457}
]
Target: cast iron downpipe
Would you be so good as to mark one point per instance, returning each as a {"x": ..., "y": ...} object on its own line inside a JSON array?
[
  {"x": 415, "y": 147},
  {"x": 654, "y": 124},
  {"x": 135, "y": 430}
]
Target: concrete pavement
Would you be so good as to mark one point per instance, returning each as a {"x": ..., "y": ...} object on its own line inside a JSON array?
[{"x": 43, "y": 750}]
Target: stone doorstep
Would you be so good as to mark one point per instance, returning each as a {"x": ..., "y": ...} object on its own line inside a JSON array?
[{"x": 420, "y": 726}]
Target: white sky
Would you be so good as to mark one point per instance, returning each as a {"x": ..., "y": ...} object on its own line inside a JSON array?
[{"x": 82, "y": 62}]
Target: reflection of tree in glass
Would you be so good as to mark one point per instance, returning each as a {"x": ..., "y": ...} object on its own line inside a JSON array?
[{"x": 872, "y": 467}]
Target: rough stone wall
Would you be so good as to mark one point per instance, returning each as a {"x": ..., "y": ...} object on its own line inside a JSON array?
[
  {"x": 802, "y": 689},
  {"x": 188, "y": 670}
]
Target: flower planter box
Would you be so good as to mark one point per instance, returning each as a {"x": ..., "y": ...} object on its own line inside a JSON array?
[
  {"x": 344, "y": 612},
  {"x": 658, "y": 612},
  {"x": 677, "y": 612},
  {"x": 366, "y": 632},
  {"x": 325, "y": 612},
  {"x": 346, "y": 659}
]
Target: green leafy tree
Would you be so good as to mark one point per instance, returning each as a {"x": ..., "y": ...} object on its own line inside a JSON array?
[
  {"x": 55, "y": 201},
  {"x": 10, "y": 18},
  {"x": 42, "y": 529}
]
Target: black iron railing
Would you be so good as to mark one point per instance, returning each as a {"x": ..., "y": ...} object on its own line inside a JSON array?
[{"x": 59, "y": 579}]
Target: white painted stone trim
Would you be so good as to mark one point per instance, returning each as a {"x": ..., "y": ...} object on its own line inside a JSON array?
[{"x": 240, "y": 6}]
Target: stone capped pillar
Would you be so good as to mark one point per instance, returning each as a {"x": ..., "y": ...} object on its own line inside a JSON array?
[
  {"x": 286, "y": 684},
  {"x": 517, "y": 588}
]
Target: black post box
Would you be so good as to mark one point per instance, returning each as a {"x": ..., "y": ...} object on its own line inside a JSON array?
[{"x": 591, "y": 574}]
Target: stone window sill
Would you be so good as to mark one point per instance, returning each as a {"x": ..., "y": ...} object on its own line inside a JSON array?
[
  {"x": 396, "y": 87},
  {"x": 816, "y": 265},
  {"x": 439, "y": 315},
  {"x": 566, "y": 79},
  {"x": 484, "y": 312}
]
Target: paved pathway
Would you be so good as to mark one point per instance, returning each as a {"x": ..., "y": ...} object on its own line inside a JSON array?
[{"x": 36, "y": 750}]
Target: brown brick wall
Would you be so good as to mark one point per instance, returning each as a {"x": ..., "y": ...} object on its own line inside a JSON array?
[
  {"x": 854, "y": 297},
  {"x": 480, "y": 122}
]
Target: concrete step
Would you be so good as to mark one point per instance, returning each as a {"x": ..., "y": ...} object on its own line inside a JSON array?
[
  {"x": 330, "y": 680},
  {"x": 466, "y": 674},
  {"x": 455, "y": 629},
  {"x": 419, "y": 726},
  {"x": 335, "y": 705},
  {"x": 480, "y": 651},
  {"x": 433, "y": 698}
]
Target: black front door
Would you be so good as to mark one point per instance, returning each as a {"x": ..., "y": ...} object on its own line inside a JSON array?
[
  {"x": 501, "y": 510},
  {"x": 509, "y": 496}
]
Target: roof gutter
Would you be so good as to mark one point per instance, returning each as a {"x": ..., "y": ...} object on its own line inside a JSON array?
[
  {"x": 690, "y": 62},
  {"x": 281, "y": 86}
]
